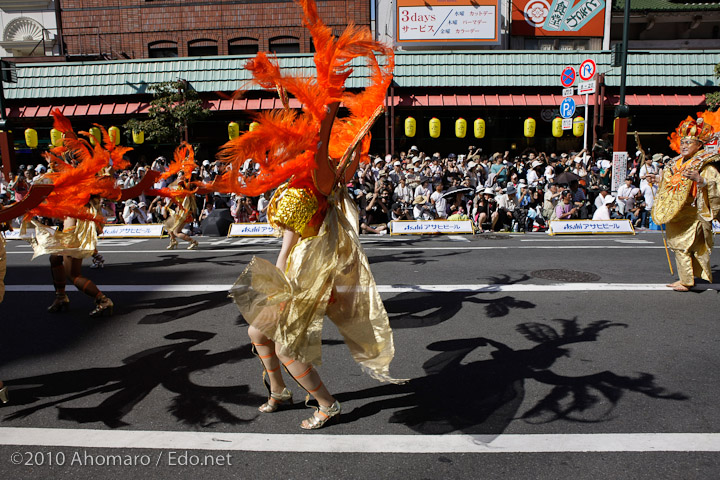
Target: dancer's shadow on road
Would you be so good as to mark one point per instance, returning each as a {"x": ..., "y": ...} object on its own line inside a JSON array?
[
  {"x": 177, "y": 307},
  {"x": 426, "y": 309},
  {"x": 412, "y": 257},
  {"x": 484, "y": 396},
  {"x": 169, "y": 366}
]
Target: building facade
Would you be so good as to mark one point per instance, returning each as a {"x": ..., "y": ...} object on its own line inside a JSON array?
[{"x": 133, "y": 29}]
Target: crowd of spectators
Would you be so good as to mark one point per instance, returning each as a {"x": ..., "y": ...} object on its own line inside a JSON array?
[{"x": 497, "y": 192}]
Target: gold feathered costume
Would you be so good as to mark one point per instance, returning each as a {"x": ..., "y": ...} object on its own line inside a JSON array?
[{"x": 312, "y": 155}]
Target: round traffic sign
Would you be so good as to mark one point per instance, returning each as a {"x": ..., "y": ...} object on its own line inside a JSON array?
[
  {"x": 567, "y": 107},
  {"x": 587, "y": 69},
  {"x": 567, "y": 77}
]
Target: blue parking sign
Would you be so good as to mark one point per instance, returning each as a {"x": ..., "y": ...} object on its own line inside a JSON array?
[{"x": 567, "y": 107}]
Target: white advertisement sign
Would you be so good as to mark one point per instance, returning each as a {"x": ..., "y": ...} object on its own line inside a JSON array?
[
  {"x": 251, "y": 230},
  {"x": 147, "y": 230},
  {"x": 15, "y": 234},
  {"x": 559, "y": 227},
  {"x": 430, "y": 226},
  {"x": 619, "y": 170},
  {"x": 716, "y": 226}
]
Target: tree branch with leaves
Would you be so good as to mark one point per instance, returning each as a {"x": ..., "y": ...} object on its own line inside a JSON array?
[{"x": 175, "y": 106}]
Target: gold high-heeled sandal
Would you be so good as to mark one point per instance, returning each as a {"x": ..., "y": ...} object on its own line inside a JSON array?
[
  {"x": 4, "y": 394},
  {"x": 61, "y": 302},
  {"x": 327, "y": 414},
  {"x": 173, "y": 244},
  {"x": 276, "y": 401},
  {"x": 193, "y": 245},
  {"x": 103, "y": 305}
]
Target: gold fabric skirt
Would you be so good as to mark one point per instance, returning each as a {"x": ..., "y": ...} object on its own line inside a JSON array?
[
  {"x": 328, "y": 274},
  {"x": 78, "y": 242},
  {"x": 181, "y": 215}
]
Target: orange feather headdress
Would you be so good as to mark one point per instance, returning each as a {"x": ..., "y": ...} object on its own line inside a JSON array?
[
  {"x": 703, "y": 129},
  {"x": 79, "y": 171},
  {"x": 285, "y": 143}
]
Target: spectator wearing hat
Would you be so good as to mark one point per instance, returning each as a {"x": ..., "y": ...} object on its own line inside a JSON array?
[
  {"x": 499, "y": 170},
  {"x": 603, "y": 213},
  {"x": 600, "y": 199},
  {"x": 396, "y": 174},
  {"x": 471, "y": 173},
  {"x": 374, "y": 212},
  {"x": 402, "y": 193},
  {"x": 421, "y": 209},
  {"x": 485, "y": 209},
  {"x": 424, "y": 188},
  {"x": 648, "y": 168},
  {"x": 507, "y": 203}
]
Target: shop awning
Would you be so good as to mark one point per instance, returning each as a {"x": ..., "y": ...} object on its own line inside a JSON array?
[{"x": 255, "y": 104}]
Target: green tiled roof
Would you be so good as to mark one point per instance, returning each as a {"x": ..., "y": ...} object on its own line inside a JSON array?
[
  {"x": 448, "y": 69},
  {"x": 666, "y": 6}
]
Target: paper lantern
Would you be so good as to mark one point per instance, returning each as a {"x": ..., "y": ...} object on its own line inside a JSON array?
[
  {"x": 410, "y": 127},
  {"x": 138, "y": 137},
  {"x": 56, "y": 137},
  {"x": 95, "y": 135},
  {"x": 233, "y": 130},
  {"x": 557, "y": 130},
  {"x": 578, "y": 126},
  {"x": 31, "y": 137},
  {"x": 434, "y": 127},
  {"x": 460, "y": 127},
  {"x": 529, "y": 129},
  {"x": 114, "y": 133},
  {"x": 253, "y": 126},
  {"x": 479, "y": 128}
]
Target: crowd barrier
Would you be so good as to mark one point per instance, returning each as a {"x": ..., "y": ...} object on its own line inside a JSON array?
[
  {"x": 419, "y": 227},
  {"x": 135, "y": 230},
  {"x": 251, "y": 230},
  {"x": 575, "y": 227}
]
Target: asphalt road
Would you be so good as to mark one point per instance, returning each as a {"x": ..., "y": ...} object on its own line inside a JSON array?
[{"x": 555, "y": 357}]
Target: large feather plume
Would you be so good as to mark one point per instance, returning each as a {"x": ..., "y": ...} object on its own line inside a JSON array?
[{"x": 286, "y": 142}]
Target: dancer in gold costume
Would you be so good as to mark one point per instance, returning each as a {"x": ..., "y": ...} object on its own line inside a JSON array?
[
  {"x": 322, "y": 269},
  {"x": 688, "y": 200}
]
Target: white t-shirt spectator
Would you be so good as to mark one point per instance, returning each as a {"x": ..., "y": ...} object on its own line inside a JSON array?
[
  {"x": 440, "y": 204},
  {"x": 649, "y": 192}
]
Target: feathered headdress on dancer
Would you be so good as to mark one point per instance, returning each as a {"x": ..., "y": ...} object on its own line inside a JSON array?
[
  {"x": 703, "y": 129},
  {"x": 183, "y": 161},
  {"x": 75, "y": 184},
  {"x": 286, "y": 142}
]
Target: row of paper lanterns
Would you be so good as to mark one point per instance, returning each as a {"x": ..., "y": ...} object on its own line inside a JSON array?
[
  {"x": 479, "y": 127},
  {"x": 56, "y": 136}
]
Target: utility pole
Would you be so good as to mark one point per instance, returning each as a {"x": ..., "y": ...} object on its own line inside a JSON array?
[{"x": 622, "y": 111}]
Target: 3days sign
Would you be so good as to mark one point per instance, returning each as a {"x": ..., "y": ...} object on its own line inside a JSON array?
[{"x": 581, "y": 18}]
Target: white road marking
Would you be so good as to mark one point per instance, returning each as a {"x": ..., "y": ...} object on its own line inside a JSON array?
[
  {"x": 325, "y": 443},
  {"x": 457, "y": 238},
  {"x": 478, "y": 288},
  {"x": 456, "y": 247}
]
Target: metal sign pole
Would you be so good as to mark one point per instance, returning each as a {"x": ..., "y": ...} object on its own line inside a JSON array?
[{"x": 585, "y": 133}]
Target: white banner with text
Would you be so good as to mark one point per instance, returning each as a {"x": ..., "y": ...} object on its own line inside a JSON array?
[
  {"x": 558, "y": 227},
  {"x": 140, "y": 230},
  {"x": 251, "y": 230},
  {"x": 416, "y": 227}
]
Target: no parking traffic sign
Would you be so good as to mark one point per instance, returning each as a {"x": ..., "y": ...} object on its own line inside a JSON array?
[
  {"x": 567, "y": 107},
  {"x": 567, "y": 77},
  {"x": 587, "y": 69}
]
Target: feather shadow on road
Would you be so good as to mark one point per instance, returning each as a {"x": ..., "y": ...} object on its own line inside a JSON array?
[
  {"x": 483, "y": 397},
  {"x": 169, "y": 366}
]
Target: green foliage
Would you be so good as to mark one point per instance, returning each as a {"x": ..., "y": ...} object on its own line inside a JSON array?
[
  {"x": 713, "y": 99},
  {"x": 175, "y": 105}
]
